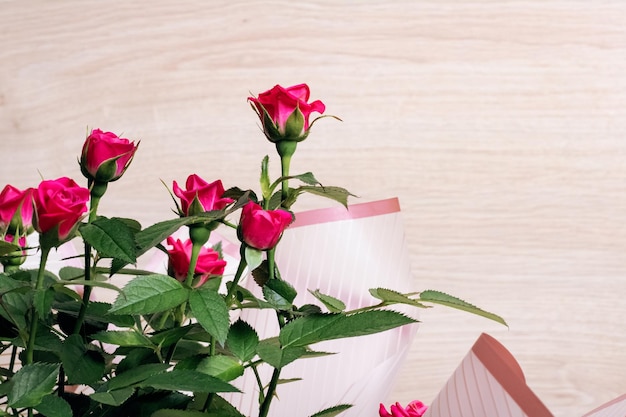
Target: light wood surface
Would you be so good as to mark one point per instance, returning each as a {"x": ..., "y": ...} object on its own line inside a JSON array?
[{"x": 501, "y": 126}]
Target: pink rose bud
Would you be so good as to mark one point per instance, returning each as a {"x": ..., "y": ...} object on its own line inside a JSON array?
[
  {"x": 16, "y": 258},
  {"x": 59, "y": 204},
  {"x": 200, "y": 196},
  {"x": 414, "y": 409},
  {"x": 209, "y": 263},
  {"x": 262, "y": 229},
  {"x": 105, "y": 156},
  {"x": 16, "y": 210},
  {"x": 285, "y": 112}
]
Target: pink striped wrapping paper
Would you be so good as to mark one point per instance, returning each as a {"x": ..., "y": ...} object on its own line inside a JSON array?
[
  {"x": 490, "y": 383},
  {"x": 342, "y": 253}
]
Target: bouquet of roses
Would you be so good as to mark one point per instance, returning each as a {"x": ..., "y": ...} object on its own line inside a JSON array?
[{"x": 169, "y": 345}]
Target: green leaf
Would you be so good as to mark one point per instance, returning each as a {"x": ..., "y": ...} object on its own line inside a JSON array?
[
  {"x": 81, "y": 365},
  {"x": 313, "y": 329},
  {"x": 168, "y": 337},
  {"x": 279, "y": 293},
  {"x": 211, "y": 311},
  {"x": 333, "y": 304},
  {"x": 266, "y": 191},
  {"x": 438, "y": 297},
  {"x": 219, "y": 407},
  {"x": 182, "y": 413},
  {"x": 7, "y": 248},
  {"x": 69, "y": 273},
  {"x": 111, "y": 238},
  {"x": 136, "y": 375},
  {"x": 43, "y": 302},
  {"x": 254, "y": 257},
  {"x": 31, "y": 383},
  {"x": 270, "y": 351},
  {"x": 54, "y": 406},
  {"x": 150, "y": 294},
  {"x": 242, "y": 340},
  {"x": 223, "y": 367},
  {"x": 394, "y": 297},
  {"x": 332, "y": 411},
  {"x": 123, "y": 338},
  {"x": 338, "y": 194},
  {"x": 187, "y": 380},
  {"x": 114, "y": 398}
]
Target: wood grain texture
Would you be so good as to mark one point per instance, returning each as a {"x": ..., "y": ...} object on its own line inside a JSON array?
[{"x": 500, "y": 125}]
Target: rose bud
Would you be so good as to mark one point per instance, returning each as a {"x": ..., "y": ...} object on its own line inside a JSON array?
[
  {"x": 16, "y": 211},
  {"x": 200, "y": 196},
  {"x": 285, "y": 112},
  {"x": 105, "y": 156},
  {"x": 59, "y": 205},
  {"x": 209, "y": 263},
  {"x": 262, "y": 229}
]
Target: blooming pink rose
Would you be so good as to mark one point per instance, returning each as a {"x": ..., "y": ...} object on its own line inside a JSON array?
[
  {"x": 106, "y": 156},
  {"x": 414, "y": 409},
  {"x": 16, "y": 209},
  {"x": 285, "y": 112},
  {"x": 261, "y": 229},
  {"x": 59, "y": 203},
  {"x": 209, "y": 263},
  {"x": 200, "y": 196}
]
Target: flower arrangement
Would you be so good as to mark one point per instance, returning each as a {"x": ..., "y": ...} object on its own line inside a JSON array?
[{"x": 170, "y": 344}]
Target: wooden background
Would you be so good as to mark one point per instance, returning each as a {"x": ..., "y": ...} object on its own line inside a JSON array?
[{"x": 500, "y": 125}]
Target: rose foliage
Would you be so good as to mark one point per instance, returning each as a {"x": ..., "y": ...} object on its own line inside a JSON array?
[{"x": 172, "y": 343}]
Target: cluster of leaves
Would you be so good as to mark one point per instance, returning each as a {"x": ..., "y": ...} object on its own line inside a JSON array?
[{"x": 136, "y": 356}]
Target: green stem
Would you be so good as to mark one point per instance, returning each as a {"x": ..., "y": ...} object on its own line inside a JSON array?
[
  {"x": 285, "y": 161},
  {"x": 265, "y": 406},
  {"x": 238, "y": 274},
  {"x": 33, "y": 319},
  {"x": 95, "y": 201}
]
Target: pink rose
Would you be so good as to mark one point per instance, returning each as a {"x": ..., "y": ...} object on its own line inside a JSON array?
[
  {"x": 106, "y": 156},
  {"x": 285, "y": 112},
  {"x": 16, "y": 210},
  {"x": 414, "y": 409},
  {"x": 200, "y": 196},
  {"x": 59, "y": 203},
  {"x": 261, "y": 229},
  {"x": 209, "y": 262}
]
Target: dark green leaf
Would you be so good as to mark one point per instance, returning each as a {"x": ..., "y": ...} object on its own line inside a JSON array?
[
  {"x": 150, "y": 294},
  {"x": 123, "y": 338},
  {"x": 221, "y": 408},
  {"x": 279, "y": 293},
  {"x": 32, "y": 383},
  {"x": 242, "y": 340},
  {"x": 168, "y": 337},
  {"x": 136, "y": 375},
  {"x": 313, "y": 329},
  {"x": 334, "y": 193},
  {"x": 54, "y": 406},
  {"x": 211, "y": 311},
  {"x": 69, "y": 273},
  {"x": 43, "y": 302},
  {"x": 270, "y": 351},
  {"x": 111, "y": 238},
  {"x": 332, "y": 411},
  {"x": 182, "y": 413},
  {"x": 333, "y": 304},
  {"x": 438, "y": 297},
  {"x": 114, "y": 398},
  {"x": 391, "y": 296},
  {"x": 186, "y": 380},
  {"x": 82, "y": 366},
  {"x": 223, "y": 367},
  {"x": 7, "y": 248}
]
